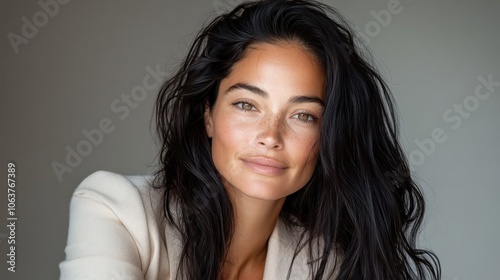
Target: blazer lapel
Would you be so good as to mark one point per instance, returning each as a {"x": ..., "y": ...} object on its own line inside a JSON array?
[{"x": 280, "y": 251}]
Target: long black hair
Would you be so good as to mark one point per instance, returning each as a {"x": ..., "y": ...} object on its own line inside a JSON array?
[{"x": 361, "y": 203}]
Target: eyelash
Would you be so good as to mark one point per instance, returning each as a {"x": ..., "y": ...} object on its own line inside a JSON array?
[
  {"x": 311, "y": 118},
  {"x": 239, "y": 104}
]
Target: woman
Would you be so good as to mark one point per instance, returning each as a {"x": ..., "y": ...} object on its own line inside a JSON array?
[{"x": 279, "y": 160}]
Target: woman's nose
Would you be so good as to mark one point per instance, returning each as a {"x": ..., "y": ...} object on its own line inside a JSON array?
[{"x": 271, "y": 132}]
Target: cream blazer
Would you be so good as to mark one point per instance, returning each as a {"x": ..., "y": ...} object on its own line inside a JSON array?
[{"x": 116, "y": 231}]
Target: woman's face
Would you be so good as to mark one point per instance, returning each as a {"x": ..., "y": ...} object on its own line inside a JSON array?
[{"x": 265, "y": 123}]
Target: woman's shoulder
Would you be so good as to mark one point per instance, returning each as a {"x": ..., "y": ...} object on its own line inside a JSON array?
[
  {"x": 119, "y": 191},
  {"x": 115, "y": 228},
  {"x": 131, "y": 198},
  {"x": 105, "y": 183}
]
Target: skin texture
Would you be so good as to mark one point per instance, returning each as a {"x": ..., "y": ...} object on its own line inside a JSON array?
[
  {"x": 250, "y": 131},
  {"x": 264, "y": 128}
]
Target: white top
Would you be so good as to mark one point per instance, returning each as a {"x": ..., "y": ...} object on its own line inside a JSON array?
[{"x": 117, "y": 231}]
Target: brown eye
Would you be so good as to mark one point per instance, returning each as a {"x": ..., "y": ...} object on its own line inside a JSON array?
[
  {"x": 246, "y": 106},
  {"x": 304, "y": 117}
]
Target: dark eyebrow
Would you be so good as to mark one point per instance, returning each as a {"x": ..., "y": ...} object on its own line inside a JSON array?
[
  {"x": 248, "y": 87},
  {"x": 307, "y": 99},
  {"x": 263, "y": 93}
]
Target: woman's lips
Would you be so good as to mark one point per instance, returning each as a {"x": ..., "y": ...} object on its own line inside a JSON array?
[{"x": 265, "y": 166}]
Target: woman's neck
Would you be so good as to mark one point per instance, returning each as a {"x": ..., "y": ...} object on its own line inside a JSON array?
[{"x": 254, "y": 223}]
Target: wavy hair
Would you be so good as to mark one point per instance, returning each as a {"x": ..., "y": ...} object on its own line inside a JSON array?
[{"x": 361, "y": 203}]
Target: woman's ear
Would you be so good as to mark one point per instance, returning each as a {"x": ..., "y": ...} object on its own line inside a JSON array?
[{"x": 207, "y": 117}]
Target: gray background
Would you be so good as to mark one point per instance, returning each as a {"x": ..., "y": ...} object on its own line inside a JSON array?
[{"x": 89, "y": 53}]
